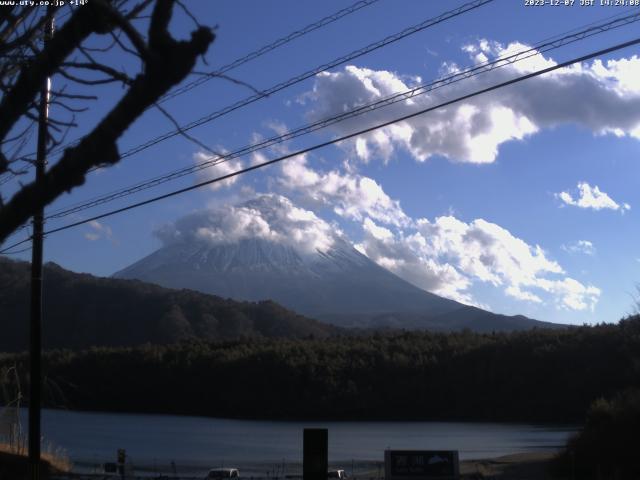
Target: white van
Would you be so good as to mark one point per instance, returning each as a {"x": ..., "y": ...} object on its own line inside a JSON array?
[
  {"x": 336, "y": 474},
  {"x": 222, "y": 473}
]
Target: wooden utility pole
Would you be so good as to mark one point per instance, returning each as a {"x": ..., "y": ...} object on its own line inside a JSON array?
[{"x": 35, "y": 343}]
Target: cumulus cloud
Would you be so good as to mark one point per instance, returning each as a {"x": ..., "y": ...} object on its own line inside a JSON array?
[
  {"x": 604, "y": 98},
  {"x": 216, "y": 170},
  {"x": 97, "y": 231},
  {"x": 351, "y": 195},
  {"x": 573, "y": 295},
  {"x": 270, "y": 217},
  {"x": 409, "y": 258},
  {"x": 447, "y": 256},
  {"x": 581, "y": 246},
  {"x": 593, "y": 198}
]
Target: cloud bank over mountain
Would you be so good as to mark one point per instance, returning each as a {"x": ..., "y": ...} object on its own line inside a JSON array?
[
  {"x": 268, "y": 217},
  {"x": 446, "y": 254}
]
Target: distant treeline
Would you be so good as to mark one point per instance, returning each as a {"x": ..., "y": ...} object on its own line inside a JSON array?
[{"x": 538, "y": 375}]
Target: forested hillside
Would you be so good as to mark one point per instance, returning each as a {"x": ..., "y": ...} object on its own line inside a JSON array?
[
  {"x": 539, "y": 375},
  {"x": 81, "y": 310}
]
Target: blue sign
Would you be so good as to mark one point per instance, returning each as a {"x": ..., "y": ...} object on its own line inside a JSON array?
[{"x": 421, "y": 464}]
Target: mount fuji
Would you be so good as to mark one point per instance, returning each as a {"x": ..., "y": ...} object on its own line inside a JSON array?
[{"x": 336, "y": 283}]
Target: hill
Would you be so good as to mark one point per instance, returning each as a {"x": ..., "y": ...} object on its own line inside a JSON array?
[{"x": 83, "y": 310}]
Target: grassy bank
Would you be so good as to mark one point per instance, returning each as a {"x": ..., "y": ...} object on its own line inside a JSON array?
[{"x": 14, "y": 463}]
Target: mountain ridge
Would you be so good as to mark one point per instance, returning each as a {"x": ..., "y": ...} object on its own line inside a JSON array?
[
  {"x": 339, "y": 285},
  {"x": 81, "y": 310}
]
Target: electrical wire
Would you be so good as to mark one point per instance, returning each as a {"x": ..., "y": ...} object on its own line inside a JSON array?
[
  {"x": 299, "y": 78},
  {"x": 484, "y": 67},
  {"x": 252, "y": 55},
  {"x": 17, "y": 252},
  {"x": 462, "y": 98},
  {"x": 466, "y": 7},
  {"x": 268, "y": 48},
  {"x": 308, "y": 74}
]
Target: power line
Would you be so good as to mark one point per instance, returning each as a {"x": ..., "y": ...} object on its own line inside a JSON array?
[
  {"x": 268, "y": 48},
  {"x": 521, "y": 78},
  {"x": 17, "y": 252},
  {"x": 310, "y": 73},
  {"x": 299, "y": 78},
  {"x": 253, "y": 55},
  {"x": 484, "y": 67}
]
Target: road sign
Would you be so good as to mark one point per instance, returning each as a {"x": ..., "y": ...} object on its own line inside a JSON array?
[{"x": 421, "y": 465}]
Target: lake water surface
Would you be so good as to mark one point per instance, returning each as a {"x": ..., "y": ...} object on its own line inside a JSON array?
[{"x": 198, "y": 443}]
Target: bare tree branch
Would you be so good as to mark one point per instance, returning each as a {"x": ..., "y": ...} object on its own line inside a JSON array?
[
  {"x": 32, "y": 31},
  {"x": 135, "y": 11},
  {"x": 71, "y": 96},
  {"x": 166, "y": 63},
  {"x": 67, "y": 107},
  {"x": 188, "y": 13},
  {"x": 82, "y": 23},
  {"x": 232, "y": 80},
  {"x": 86, "y": 81},
  {"x": 111, "y": 72},
  {"x": 129, "y": 30},
  {"x": 120, "y": 43},
  {"x": 183, "y": 133}
]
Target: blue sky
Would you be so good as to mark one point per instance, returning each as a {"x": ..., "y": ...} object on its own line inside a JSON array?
[{"x": 523, "y": 201}]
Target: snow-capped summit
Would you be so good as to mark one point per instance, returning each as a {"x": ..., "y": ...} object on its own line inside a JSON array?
[
  {"x": 337, "y": 281},
  {"x": 268, "y": 248}
]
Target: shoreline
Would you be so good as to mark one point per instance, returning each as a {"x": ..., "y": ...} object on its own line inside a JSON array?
[{"x": 521, "y": 466}]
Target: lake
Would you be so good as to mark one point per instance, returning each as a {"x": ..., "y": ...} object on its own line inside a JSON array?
[{"x": 198, "y": 443}]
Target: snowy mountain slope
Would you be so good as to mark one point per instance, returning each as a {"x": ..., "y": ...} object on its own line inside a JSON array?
[
  {"x": 340, "y": 285},
  {"x": 340, "y": 280}
]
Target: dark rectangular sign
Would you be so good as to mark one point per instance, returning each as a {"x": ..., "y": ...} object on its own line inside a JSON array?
[{"x": 421, "y": 464}]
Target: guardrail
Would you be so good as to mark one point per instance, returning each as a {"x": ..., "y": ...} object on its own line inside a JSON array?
[{"x": 155, "y": 476}]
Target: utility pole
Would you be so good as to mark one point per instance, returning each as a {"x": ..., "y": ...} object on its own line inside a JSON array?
[{"x": 35, "y": 341}]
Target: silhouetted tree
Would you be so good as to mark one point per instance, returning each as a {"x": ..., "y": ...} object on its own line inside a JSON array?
[
  {"x": 82, "y": 67},
  {"x": 607, "y": 446}
]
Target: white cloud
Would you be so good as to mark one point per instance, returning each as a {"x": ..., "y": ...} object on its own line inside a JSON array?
[
  {"x": 571, "y": 294},
  {"x": 447, "y": 256},
  {"x": 516, "y": 292},
  {"x": 98, "y": 231},
  {"x": 409, "y": 258},
  {"x": 581, "y": 246},
  {"x": 216, "y": 170},
  {"x": 623, "y": 73},
  {"x": 270, "y": 217},
  {"x": 351, "y": 195},
  {"x": 593, "y": 198},
  {"x": 377, "y": 232},
  {"x": 487, "y": 251},
  {"x": 602, "y": 98}
]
